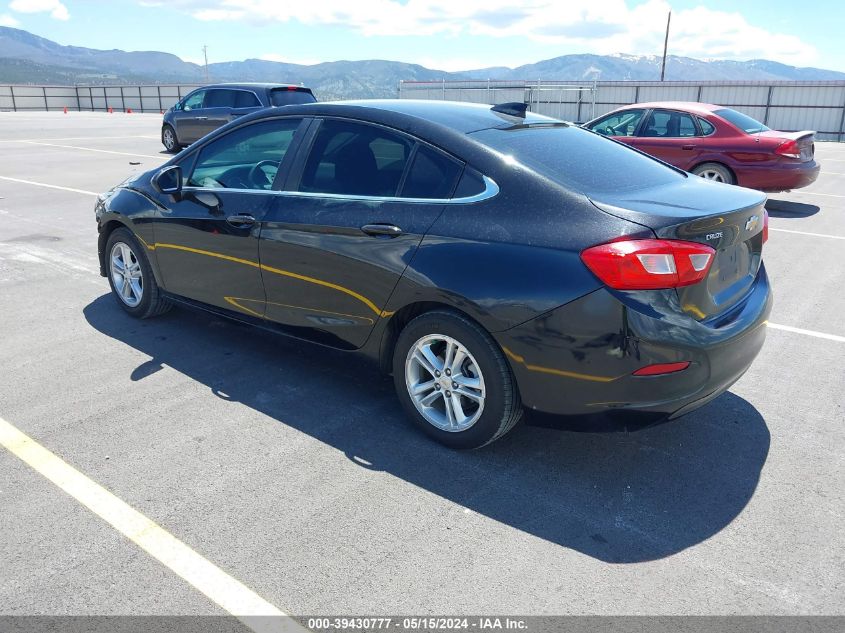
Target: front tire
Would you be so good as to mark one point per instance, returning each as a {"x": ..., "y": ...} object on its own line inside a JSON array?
[
  {"x": 169, "y": 139},
  {"x": 131, "y": 277},
  {"x": 454, "y": 382},
  {"x": 715, "y": 172}
]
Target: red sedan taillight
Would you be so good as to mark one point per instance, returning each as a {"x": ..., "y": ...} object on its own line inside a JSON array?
[
  {"x": 649, "y": 264},
  {"x": 789, "y": 149}
]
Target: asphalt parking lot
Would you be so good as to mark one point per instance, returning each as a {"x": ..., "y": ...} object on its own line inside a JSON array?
[{"x": 293, "y": 471}]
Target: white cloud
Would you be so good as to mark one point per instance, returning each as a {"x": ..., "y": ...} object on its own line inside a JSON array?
[
  {"x": 54, "y": 7},
  {"x": 590, "y": 26},
  {"x": 8, "y": 20}
]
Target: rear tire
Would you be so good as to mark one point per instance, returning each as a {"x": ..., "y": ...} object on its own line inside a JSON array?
[
  {"x": 716, "y": 172},
  {"x": 131, "y": 277},
  {"x": 169, "y": 139},
  {"x": 473, "y": 399}
]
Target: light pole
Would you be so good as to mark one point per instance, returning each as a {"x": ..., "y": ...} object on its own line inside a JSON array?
[
  {"x": 205, "y": 55},
  {"x": 665, "y": 47}
]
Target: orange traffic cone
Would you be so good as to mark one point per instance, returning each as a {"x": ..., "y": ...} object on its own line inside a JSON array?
[
  {"x": 111, "y": 110},
  {"x": 65, "y": 109}
]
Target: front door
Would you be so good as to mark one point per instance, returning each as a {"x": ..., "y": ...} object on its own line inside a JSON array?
[
  {"x": 336, "y": 243},
  {"x": 189, "y": 119},
  {"x": 207, "y": 242}
]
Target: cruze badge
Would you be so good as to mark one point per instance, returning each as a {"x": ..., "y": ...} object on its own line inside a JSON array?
[
  {"x": 714, "y": 236},
  {"x": 752, "y": 223}
]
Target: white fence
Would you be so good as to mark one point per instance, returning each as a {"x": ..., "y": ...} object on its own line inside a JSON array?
[
  {"x": 92, "y": 98},
  {"x": 782, "y": 105}
]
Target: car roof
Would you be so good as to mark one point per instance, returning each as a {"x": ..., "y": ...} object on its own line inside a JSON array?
[
  {"x": 254, "y": 85},
  {"x": 456, "y": 115},
  {"x": 686, "y": 106}
]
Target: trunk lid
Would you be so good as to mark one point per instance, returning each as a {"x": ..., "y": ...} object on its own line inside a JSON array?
[
  {"x": 727, "y": 218},
  {"x": 806, "y": 141}
]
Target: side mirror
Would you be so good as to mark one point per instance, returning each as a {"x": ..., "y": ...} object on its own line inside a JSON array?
[{"x": 168, "y": 181}]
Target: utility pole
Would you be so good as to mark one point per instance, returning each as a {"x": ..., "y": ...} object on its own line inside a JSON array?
[
  {"x": 205, "y": 54},
  {"x": 665, "y": 47}
]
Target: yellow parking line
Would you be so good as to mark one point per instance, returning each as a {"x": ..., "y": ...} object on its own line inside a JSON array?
[{"x": 225, "y": 591}]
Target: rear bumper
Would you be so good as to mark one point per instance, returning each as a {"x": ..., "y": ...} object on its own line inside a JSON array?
[
  {"x": 579, "y": 359},
  {"x": 781, "y": 176}
]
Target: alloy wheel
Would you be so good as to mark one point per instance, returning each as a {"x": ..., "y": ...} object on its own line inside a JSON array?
[
  {"x": 711, "y": 174},
  {"x": 126, "y": 274},
  {"x": 445, "y": 383}
]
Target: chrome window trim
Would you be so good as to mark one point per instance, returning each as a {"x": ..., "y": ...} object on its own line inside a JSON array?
[{"x": 491, "y": 189}]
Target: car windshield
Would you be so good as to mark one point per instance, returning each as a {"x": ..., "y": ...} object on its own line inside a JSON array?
[
  {"x": 742, "y": 121},
  {"x": 582, "y": 161}
]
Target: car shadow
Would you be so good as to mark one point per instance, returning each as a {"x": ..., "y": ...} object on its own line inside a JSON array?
[
  {"x": 620, "y": 497},
  {"x": 790, "y": 209}
]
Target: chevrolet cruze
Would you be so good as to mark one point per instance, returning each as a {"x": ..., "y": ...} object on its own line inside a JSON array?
[{"x": 491, "y": 259}]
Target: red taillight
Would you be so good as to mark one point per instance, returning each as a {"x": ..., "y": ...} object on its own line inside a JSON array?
[
  {"x": 649, "y": 264},
  {"x": 661, "y": 368},
  {"x": 765, "y": 226},
  {"x": 788, "y": 149}
]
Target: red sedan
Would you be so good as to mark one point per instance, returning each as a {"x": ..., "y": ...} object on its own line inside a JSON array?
[{"x": 716, "y": 143}]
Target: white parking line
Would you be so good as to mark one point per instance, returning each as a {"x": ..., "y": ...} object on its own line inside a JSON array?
[
  {"x": 833, "y": 237},
  {"x": 91, "y": 149},
  {"x": 44, "y": 184},
  {"x": 798, "y": 330},
  {"x": 826, "y": 195},
  {"x": 75, "y": 138},
  {"x": 221, "y": 588}
]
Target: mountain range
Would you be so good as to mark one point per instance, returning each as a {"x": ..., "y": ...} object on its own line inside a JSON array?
[{"x": 28, "y": 58}]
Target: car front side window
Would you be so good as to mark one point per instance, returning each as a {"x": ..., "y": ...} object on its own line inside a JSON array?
[
  {"x": 355, "y": 159},
  {"x": 246, "y": 158},
  {"x": 194, "y": 102},
  {"x": 618, "y": 124}
]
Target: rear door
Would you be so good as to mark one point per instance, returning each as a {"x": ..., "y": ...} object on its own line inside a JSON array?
[
  {"x": 207, "y": 241},
  {"x": 671, "y": 136},
  {"x": 245, "y": 101},
  {"x": 337, "y": 241}
]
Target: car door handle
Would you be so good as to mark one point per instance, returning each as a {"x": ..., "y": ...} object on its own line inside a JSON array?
[
  {"x": 376, "y": 230},
  {"x": 687, "y": 146},
  {"x": 201, "y": 118},
  {"x": 240, "y": 220}
]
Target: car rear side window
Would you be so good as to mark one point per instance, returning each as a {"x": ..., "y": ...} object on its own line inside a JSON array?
[
  {"x": 245, "y": 158},
  {"x": 355, "y": 159},
  {"x": 246, "y": 99},
  {"x": 432, "y": 175},
  {"x": 219, "y": 98},
  {"x": 669, "y": 124},
  {"x": 287, "y": 96},
  {"x": 578, "y": 159},
  {"x": 742, "y": 121},
  {"x": 706, "y": 127}
]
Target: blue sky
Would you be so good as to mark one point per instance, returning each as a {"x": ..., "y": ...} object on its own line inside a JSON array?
[{"x": 442, "y": 34}]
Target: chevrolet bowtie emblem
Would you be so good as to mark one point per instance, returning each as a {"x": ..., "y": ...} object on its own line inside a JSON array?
[{"x": 752, "y": 223}]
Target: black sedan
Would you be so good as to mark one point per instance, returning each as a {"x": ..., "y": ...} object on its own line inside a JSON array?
[{"x": 491, "y": 259}]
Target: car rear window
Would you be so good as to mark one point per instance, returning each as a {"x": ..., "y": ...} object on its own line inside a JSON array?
[
  {"x": 286, "y": 96},
  {"x": 580, "y": 160},
  {"x": 742, "y": 121}
]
